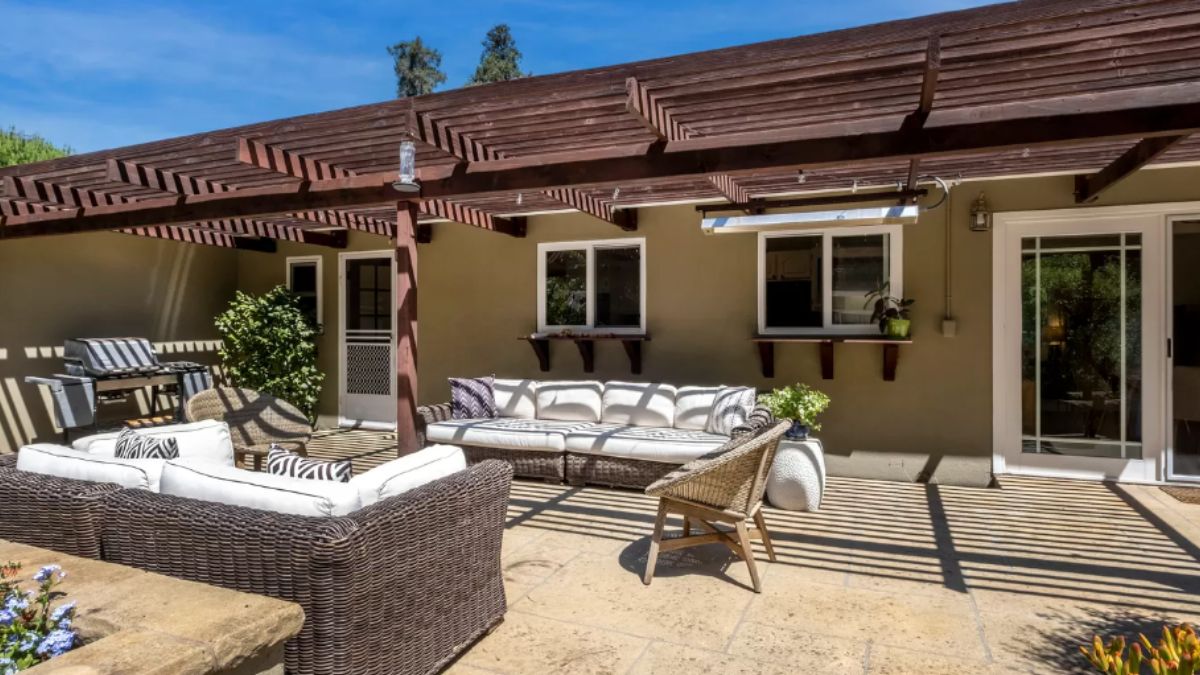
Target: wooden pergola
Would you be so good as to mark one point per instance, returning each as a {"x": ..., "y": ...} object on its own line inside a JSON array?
[{"x": 1099, "y": 88}]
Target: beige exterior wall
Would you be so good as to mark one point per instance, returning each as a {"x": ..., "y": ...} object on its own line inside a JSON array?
[
  {"x": 99, "y": 285},
  {"x": 478, "y": 294}
]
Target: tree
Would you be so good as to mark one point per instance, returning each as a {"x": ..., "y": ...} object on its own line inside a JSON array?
[
  {"x": 418, "y": 68},
  {"x": 501, "y": 60},
  {"x": 19, "y": 148}
]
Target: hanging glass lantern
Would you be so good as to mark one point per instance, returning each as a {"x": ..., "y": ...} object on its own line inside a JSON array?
[{"x": 407, "y": 181}]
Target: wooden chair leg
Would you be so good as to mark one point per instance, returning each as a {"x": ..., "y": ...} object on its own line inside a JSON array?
[
  {"x": 748, "y": 553},
  {"x": 761, "y": 523},
  {"x": 652, "y": 557}
]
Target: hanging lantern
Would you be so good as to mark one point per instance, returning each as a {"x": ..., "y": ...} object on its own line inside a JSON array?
[
  {"x": 407, "y": 181},
  {"x": 981, "y": 214}
]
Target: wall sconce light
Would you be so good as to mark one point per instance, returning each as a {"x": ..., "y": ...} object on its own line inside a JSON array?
[
  {"x": 407, "y": 181},
  {"x": 981, "y": 214}
]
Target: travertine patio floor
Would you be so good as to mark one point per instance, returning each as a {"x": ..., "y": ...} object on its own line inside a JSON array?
[{"x": 886, "y": 578}]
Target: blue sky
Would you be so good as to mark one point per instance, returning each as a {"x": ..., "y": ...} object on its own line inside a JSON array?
[{"x": 95, "y": 75}]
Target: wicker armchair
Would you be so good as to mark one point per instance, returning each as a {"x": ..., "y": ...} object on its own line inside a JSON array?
[
  {"x": 56, "y": 513},
  {"x": 256, "y": 421},
  {"x": 725, "y": 486}
]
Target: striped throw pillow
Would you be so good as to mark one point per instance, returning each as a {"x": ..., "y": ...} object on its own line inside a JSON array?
[
  {"x": 132, "y": 445},
  {"x": 731, "y": 408},
  {"x": 472, "y": 398},
  {"x": 281, "y": 462}
]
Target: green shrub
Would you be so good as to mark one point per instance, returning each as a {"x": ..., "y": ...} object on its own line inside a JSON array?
[
  {"x": 798, "y": 402},
  {"x": 267, "y": 344}
]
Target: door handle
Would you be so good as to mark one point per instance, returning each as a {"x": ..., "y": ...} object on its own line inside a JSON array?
[{"x": 1170, "y": 354}]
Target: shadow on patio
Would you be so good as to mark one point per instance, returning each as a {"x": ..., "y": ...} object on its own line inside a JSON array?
[{"x": 886, "y": 576}]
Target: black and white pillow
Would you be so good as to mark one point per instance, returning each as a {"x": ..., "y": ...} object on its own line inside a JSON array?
[
  {"x": 731, "y": 408},
  {"x": 472, "y": 398},
  {"x": 132, "y": 445},
  {"x": 281, "y": 462}
]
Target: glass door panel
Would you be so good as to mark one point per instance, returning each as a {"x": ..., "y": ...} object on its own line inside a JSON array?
[
  {"x": 1185, "y": 356},
  {"x": 1081, "y": 352}
]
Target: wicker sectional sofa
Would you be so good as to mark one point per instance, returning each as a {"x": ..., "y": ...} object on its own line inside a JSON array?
[
  {"x": 620, "y": 434},
  {"x": 402, "y": 585}
]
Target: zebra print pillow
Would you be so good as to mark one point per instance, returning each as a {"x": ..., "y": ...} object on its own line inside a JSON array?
[
  {"x": 132, "y": 445},
  {"x": 280, "y": 462}
]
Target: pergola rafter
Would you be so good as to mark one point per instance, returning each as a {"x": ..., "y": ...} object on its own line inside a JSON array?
[
  {"x": 135, "y": 173},
  {"x": 204, "y": 236},
  {"x": 916, "y": 119},
  {"x": 279, "y": 160},
  {"x": 34, "y": 190},
  {"x": 647, "y": 108},
  {"x": 431, "y": 131},
  {"x": 582, "y": 201},
  {"x": 274, "y": 230},
  {"x": 351, "y": 221},
  {"x": 1088, "y": 188},
  {"x": 461, "y": 213}
]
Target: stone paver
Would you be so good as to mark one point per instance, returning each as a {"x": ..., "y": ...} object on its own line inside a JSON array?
[{"x": 886, "y": 578}]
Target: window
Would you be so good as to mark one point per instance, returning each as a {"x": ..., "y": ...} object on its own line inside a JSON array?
[
  {"x": 816, "y": 281},
  {"x": 304, "y": 280},
  {"x": 588, "y": 285}
]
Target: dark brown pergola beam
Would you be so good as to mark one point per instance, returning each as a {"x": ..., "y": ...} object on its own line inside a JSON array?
[
  {"x": 460, "y": 213},
  {"x": 916, "y": 119},
  {"x": 195, "y": 235},
  {"x": 17, "y": 207},
  {"x": 1088, "y": 188},
  {"x": 281, "y": 231},
  {"x": 133, "y": 173},
  {"x": 644, "y": 105},
  {"x": 271, "y": 158},
  {"x": 731, "y": 190},
  {"x": 352, "y": 221},
  {"x": 581, "y": 201},
  {"x": 31, "y": 189},
  {"x": 1130, "y": 114},
  {"x": 429, "y": 130}
]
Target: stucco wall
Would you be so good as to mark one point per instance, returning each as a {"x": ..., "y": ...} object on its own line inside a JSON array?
[
  {"x": 99, "y": 285},
  {"x": 478, "y": 294}
]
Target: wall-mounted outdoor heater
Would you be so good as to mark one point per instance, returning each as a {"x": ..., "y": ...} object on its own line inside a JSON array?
[{"x": 876, "y": 215}]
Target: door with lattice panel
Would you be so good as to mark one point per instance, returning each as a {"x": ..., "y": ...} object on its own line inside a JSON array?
[{"x": 367, "y": 363}]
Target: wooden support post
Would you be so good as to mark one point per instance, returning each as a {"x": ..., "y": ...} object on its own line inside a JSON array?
[{"x": 406, "y": 328}]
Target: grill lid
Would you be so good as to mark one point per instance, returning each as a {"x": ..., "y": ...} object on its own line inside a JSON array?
[{"x": 109, "y": 357}]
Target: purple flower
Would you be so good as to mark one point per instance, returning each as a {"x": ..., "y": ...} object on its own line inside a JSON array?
[
  {"x": 56, "y": 643},
  {"x": 17, "y": 602},
  {"x": 7, "y": 616},
  {"x": 44, "y": 574},
  {"x": 63, "y": 612},
  {"x": 7, "y": 666}
]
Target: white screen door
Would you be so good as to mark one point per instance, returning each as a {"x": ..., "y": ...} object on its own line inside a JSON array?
[
  {"x": 1080, "y": 346},
  {"x": 367, "y": 396}
]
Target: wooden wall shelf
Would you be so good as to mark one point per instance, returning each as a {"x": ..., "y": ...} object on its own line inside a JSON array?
[
  {"x": 586, "y": 343},
  {"x": 891, "y": 350}
]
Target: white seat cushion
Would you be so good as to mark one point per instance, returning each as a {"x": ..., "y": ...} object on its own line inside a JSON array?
[
  {"x": 504, "y": 432},
  {"x": 653, "y": 444},
  {"x": 693, "y": 406},
  {"x": 206, "y": 440},
  {"x": 238, "y": 487},
  {"x": 639, "y": 404},
  {"x": 516, "y": 398},
  {"x": 56, "y": 460},
  {"x": 406, "y": 473},
  {"x": 572, "y": 401}
]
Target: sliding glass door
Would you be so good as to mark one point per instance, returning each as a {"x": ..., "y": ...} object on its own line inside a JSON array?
[{"x": 1184, "y": 352}]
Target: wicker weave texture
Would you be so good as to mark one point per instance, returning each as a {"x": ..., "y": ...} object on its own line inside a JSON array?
[
  {"x": 525, "y": 463},
  {"x": 254, "y": 419},
  {"x": 402, "y": 586},
  {"x": 614, "y": 471},
  {"x": 731, "y": 479},
  {"x": 50, "y": 512}
]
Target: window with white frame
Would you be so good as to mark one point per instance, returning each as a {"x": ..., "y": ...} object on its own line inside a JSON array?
[
  {"x": 592, "y": 285},
  {"x": 304, "y": 280},
  {"x": 816, "y": 281}
]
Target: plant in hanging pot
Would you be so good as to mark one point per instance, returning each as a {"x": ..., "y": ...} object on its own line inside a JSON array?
[
  {"x": 799, "y": 403},
  {"x": 890, "y": 312}
]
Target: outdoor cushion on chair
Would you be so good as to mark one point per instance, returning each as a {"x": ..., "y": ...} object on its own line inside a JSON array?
[
  {"x": 56, "y": 460},
  {"x": 515, "y": 398},
  {"x": 693, "y": 406},
  {"x": 229, "y": 485},
  {"x": 638, "y": 403},
  {"x": 205, "y": 440},
  {"x": 570, "y": 400},
  {"x": 504, "y": 432},
  {"x": 408, "y": 472},
  {"x": 653, "y": 444}
]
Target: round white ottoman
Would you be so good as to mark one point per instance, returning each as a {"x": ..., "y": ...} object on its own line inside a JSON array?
[{"x": 797, "y": 478}]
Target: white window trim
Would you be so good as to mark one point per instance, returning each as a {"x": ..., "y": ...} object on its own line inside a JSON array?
[
  {"x": 590, "y": 246},
  {"x": 895, "y": 264},
  {"x": 305, "y": 259}
]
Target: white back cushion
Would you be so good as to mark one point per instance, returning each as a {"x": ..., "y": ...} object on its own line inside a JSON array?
[
  {"x": 638, "y": 404},
  {"x": 569, "y": 400},
  {"x": 693, "y": 406},
  {"x": 516, "y": 398},
  {"x": 229, "y": 485},
  {"x": 56, "y": 460},
  {"x": 406, "y": 473},
  {"x": 207, "y": 440}
]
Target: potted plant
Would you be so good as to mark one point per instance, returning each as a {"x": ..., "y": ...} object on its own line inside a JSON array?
[
  {"x": 890, "y": 312},
  {"x": 799, "y": 403}
]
